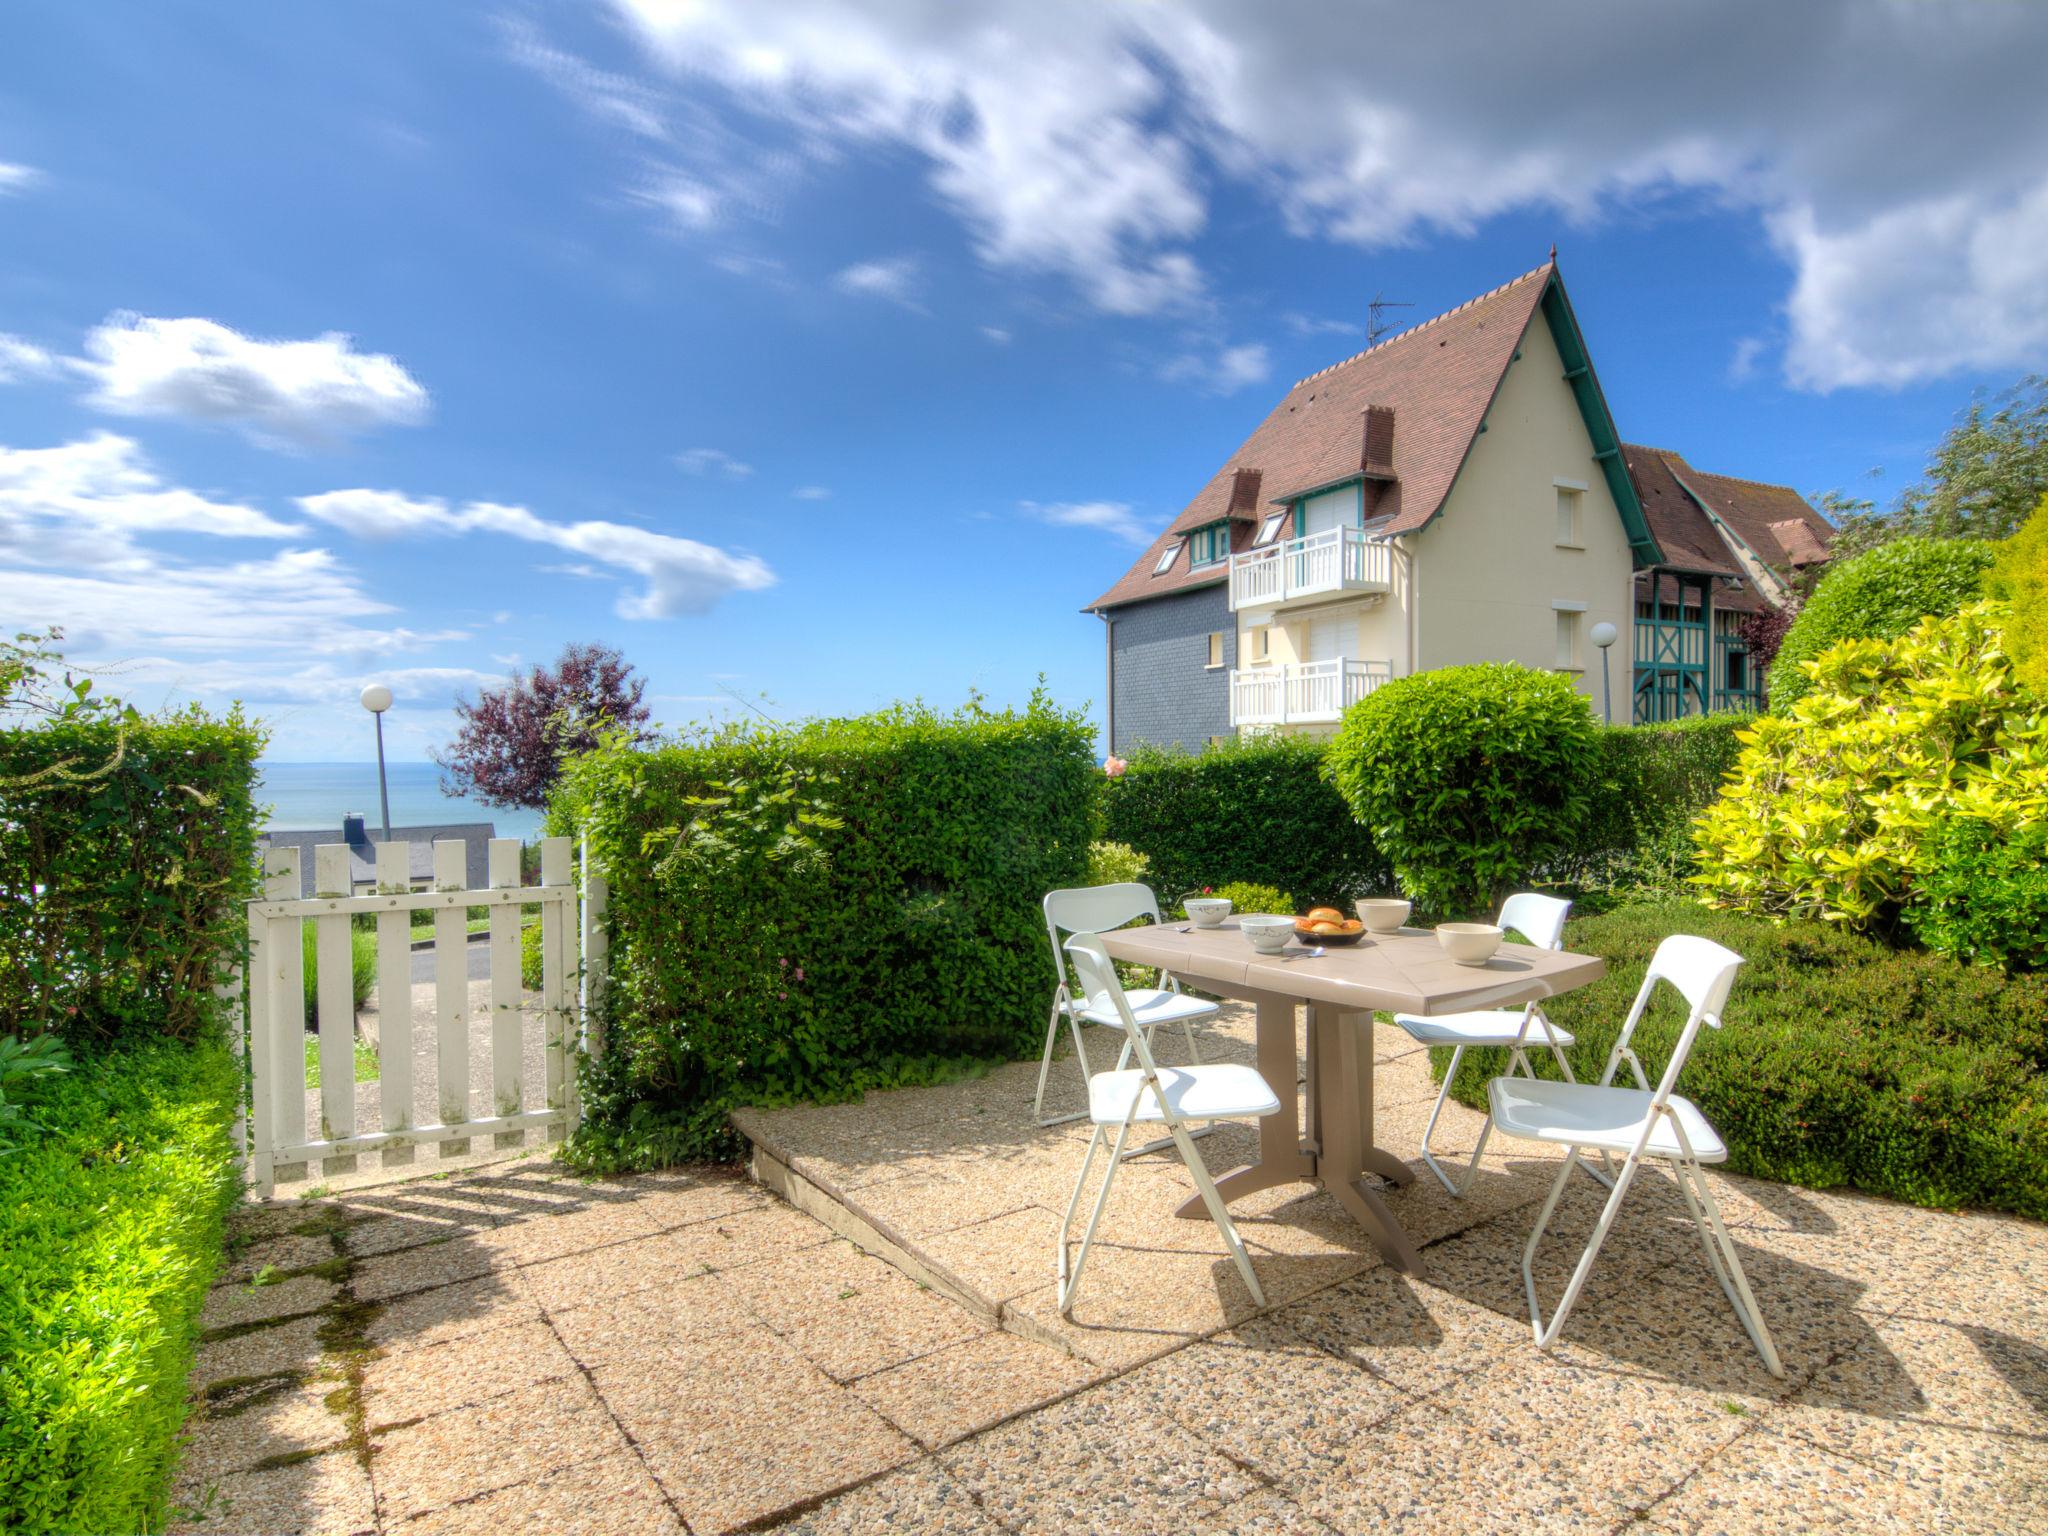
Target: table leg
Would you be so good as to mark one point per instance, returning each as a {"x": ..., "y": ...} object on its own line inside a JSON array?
[
  {"x": 1281, "y": 1157},
  {"x": 1344, "y": 1049}
]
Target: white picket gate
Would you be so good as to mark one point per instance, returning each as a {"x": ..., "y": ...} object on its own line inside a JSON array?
[{"x": 277, "y": 1143}]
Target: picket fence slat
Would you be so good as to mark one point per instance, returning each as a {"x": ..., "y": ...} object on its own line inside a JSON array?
[
  {"x": 508, "y": 1047},
  {"x": 394, "y": 1003},
  {"x": 263, "y": 1136},
  {"x": 288, "y": 1020},
  {"x": 335, "y": 1015},
  {"x": 556, "y": 950},
  {"x": 451, "y": 993}
]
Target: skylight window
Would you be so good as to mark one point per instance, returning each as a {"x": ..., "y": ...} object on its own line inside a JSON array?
[
  {"x": 1166, "y": 560},
  {"x": 1269, "y": 530}
]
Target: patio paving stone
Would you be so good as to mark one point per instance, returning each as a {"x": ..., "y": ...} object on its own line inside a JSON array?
[
  {"x": 617, "y": 1270},
  {"x": 287, "y": 1346},
  {"x": 415, "y": 1269},
  {"x": 266, "y": 1421},
  {"x": 515, "y": 1438},
  {"x": 848, "y": 1312},
  {"x": 229, "y": 1306},
  {"x": 461, "y": 1373},
  {"x": 751, "y": 1236},
  {"x": 948, "y": 1394},
  {"x": 612, "y": 1496},
  {"x": 1766, "y": 1483},
  {"x": 920, "y": 1497},
  {"x": 1003, "y": 1257},
  {"x": 498, "y": 1299},
  {"x": 649, "y": 1324},
  {"x": 1266, "y": 1513},
  {"x": 1419, "y": 1337},
  {"x": 575, "y": 1230},
  {"x": 327, "y": 1494},
  {"x": 287, "y": 1252}
]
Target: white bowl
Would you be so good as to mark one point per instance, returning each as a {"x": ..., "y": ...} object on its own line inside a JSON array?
[
  {"x": 1207, "y": 911},
  {"x": 1268, "y": 935},
  {"x": 1383, "y": 914},
  {"x": 1468, "y": 943}
]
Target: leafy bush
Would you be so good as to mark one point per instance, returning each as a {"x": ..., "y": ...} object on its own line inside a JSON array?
[
  {"x": 531, "y": 976},
  {"x": 1877, "y": 595},
  {"x": 362, "y": 967},
  {"x": 1468, "y": 778},
  {"x": 1245, "y": 896},
  {"x": 1648, "y": 783},
  {"x": 110, "y": 1224},
  {"x": 2019, "y": 575},
  {"x": 802, "y": 913},
  {"x": 1116, "y": 864},
  {"x": 126, "y": 846},
  {"x": 24, "y": 1065},
  {"x": 1254, "y": 808},
  {"x": 1835, "y": 807},
  {"x": 1983, "y": 893},
  {"x": 1841, "y": 1062}
]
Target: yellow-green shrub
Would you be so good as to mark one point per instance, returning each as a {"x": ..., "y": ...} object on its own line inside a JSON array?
[
  {"x": 1835, "y": 806},
  {"x": 2019, "y": 575}
]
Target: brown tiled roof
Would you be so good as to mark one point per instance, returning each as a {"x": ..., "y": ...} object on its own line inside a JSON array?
[
  {"x": 1773, "y": 520},
  {"x": 1439, "y": 377},
  {"x": 1684, "y": 532}
]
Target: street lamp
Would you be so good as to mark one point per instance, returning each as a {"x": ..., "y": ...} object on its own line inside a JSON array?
[
  {"x": 1604, "y": 635},
  {"x": 377, "y": 699}
]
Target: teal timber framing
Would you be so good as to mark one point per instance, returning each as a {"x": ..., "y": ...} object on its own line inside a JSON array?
[{"x": 1674, "y": 649}]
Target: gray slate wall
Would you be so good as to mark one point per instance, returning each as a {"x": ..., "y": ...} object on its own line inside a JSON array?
[{"x": 1166, "y": 693}]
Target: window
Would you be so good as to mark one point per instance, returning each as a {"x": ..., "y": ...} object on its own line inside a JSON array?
[
  {"x": 1569, "y": 498},
  {"x": 1166, "y": 559},
  {"x": 1567, "y": 638},
  {"x": 1216, "y": 648},
  {"x": 1262, "y": 643},
  {"x": 1269, "y": 530},
  {"x": 1208, "y": 545}
]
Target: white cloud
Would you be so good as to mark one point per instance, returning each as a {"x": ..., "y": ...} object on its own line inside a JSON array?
[
  {"x": 1226, "y": 372},
  {"x": 705, "y": 461},
  {"x": 996, "y": 334},
  {"x": 1890, "y": 152},
  {"x": 679, "y": 576},
  {"x": 812, "y": 493},
  {"x": 899, "y": 279},
  {"x": 1111, "y": 517},
  {"x": 618, "y": 101},
  {"x": 1317, "y": 325},
  {"x": 687, "y": 201},
  {"x": 16, "y": 178},
  {"x": 278, "y": 392},
  {"x": 20, "y": 359}
]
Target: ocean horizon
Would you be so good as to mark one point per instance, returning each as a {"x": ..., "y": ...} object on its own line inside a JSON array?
[{"x": 313, "y": 797}]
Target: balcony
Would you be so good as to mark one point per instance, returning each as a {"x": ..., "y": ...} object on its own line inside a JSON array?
[
  {"x": 1307, "y": 693},
  {"x": 1325, "y": 564}
]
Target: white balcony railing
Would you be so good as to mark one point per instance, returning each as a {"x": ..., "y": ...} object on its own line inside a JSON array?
[
  {"x": 1335, "y": 560},
  {"x": 1307, "y": 693}
]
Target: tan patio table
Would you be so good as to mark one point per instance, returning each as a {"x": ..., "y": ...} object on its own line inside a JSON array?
[{"x": 1402, "y": 972}]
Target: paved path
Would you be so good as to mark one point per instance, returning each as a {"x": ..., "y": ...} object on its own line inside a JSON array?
[{"x": 479, "y": 958}]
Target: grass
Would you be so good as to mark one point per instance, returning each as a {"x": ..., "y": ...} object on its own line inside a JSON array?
[{"x": 366, "y": 1061}]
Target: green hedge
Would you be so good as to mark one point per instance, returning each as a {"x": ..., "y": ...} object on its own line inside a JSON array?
[
  {"x": 1253, "y": 809},
  {"x": 804, "y": 913},
  {"x": 1842, "y": 1062},
  {"x": 110, "y": 1233},
  {"x": 119, "y": 894},
  {"x": 1648, "y": 782}
]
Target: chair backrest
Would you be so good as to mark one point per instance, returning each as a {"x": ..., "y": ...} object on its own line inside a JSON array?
[
  {"x": 1096, "y": 973},
  {"x": 1537, "y": 918},
  {"x": 1703, "y": 972},
  {"x": 1094, "y": 909}
]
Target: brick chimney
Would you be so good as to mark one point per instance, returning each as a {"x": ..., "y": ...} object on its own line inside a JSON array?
[
  {"x": 1379, "y": 441},
  {"x": 1244, "y": 493}
]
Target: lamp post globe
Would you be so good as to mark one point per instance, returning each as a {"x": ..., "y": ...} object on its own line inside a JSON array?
[
  {"x": 377, "y": 699},
  {"x": 1605, "y": 634}
]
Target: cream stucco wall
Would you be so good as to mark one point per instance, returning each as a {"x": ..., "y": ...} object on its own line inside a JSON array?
[{"x": 1489, "y": 571}]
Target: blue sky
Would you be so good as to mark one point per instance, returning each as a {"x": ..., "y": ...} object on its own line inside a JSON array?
[{"x": 838, "y": 353}]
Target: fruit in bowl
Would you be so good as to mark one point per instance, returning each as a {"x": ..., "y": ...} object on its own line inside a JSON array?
[{"x": 1326, "y": 925}]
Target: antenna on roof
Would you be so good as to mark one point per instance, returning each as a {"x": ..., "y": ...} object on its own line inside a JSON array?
[{"x": 1375, "y": 316}]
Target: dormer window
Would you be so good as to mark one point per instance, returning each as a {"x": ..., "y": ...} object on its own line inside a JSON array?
[
  {"x": 1166, "y": 558},
  {"x": 1210, "y": 545}
]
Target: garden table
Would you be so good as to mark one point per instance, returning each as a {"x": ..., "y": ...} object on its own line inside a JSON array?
[{"x": 1401, "y": 972}]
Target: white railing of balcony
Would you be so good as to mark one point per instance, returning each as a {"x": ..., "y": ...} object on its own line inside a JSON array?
[
  {"x": 1335, "y": 560},
  {"x": 1310, "y": 692},
  {"x": 1258, "y": 696}
]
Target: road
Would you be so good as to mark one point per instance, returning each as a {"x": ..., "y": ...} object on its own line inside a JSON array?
[{"x": 479, "y": 960}]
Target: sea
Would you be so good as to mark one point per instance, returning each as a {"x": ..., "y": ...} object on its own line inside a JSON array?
[{"x": 313, "y": 797}]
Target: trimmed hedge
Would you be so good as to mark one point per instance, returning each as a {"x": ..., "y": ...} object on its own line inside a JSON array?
[
  {"x": 1877, "y": 595},
  {"x": 1648, "y": 782},
  {"x": 110, "y": 1228},
  {"x": 126, "y": 846},
  {"x": 1842, "y": 1062},
  {"x": 803, "y": 913},
  {"x": 1253, "y": 809}
]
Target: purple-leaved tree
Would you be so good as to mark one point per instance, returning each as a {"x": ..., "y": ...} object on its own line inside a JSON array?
[{"x": 510, "y": 745}]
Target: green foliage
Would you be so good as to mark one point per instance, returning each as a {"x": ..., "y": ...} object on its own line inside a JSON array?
[
  {"x": 530, "y": 973},
  {"x": 111, "y": 1229},
  {"x": 1254, "y": 808},
  {"x": 1877, "y": 595},
  {"x": 1116, "y": 864},
  {"x": 2019, "y": 576},
  {"x": 362, "y": 966},
  {"x": 1246, "y": 896},
  {"x": 1841, "y": 1062},
  {"x": 126, "y": 846},
  {"x": 24, "y": 1064},
  {"x": 1834, "y": 807},
  {"x": 1982, "y": 892},
  {"x": 1648, "y": 783},
  {"x": 1468, "y": 778},
  {"x": 806, "y": 912}
]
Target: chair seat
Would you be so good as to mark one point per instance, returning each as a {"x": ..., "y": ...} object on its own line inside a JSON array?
[
  {"x": 1217, "y": 1092},
  {"x": 1588, "y": 1115},
  {"x": 1488, "y": 1026},
  {"x": 1150, "y": 1006}
]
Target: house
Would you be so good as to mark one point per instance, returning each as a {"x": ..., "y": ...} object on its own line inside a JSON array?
[
  {"x": 475, "y": 837},
  {"x": 1456, "y": 493}
]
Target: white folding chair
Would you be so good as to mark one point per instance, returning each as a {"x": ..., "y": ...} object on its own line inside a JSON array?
[
  {"x": 1636, "y": 1124},
  {"x": 1152, "y": 1095},
  {"x": 1540, "y": 920},
  {"x": 1098, "y": 909}
]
